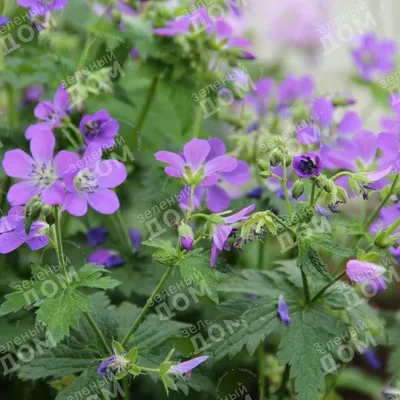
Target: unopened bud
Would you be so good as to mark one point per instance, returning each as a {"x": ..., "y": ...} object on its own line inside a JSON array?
[
  {"x": 186, "y": 236},
  {"x": 298, "y": 189},
  {"x": 265, "y": 174},
  {"x": 263, "y": 165},
  {"x": 275, "y": 158}
]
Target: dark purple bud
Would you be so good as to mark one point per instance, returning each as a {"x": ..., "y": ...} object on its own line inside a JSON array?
[
  {"x": 135, "y": 53},
  {"x": 114, "y": 261},
  {"x": 283, "y": 311},
  {"x": 253, "y": 127},
  {"x": 136, "y": 238},
  {"x": 255, "y": 193},
  {"x": 96, "y": 236},
  {"x": 187, "y": 242},
  {"x": 373, "y": 360},
  {"x": 4, "y": 20},
  {"x": 32, "y": 93},
  {"x": 247, "y": 55}
]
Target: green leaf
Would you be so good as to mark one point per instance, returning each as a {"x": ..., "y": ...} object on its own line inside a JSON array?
[
  {"x": 308, "y": 327},
  {"x": 327, "y": 241},
  {"x": 245, "y": 324},
  {"x": 196, "y": 266},
  {"x": 166, "y": 253},
  {"x": 90, "y": 275},
  {"x": 394, "y": 364},
  {"x": 62, "y": 311},
  {"x": 311, "y": 263}
]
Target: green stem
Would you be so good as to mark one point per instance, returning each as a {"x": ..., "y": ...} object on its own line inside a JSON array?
[
  {"x": 383, "y": 203},
  {"x": 339, "y": 174},
  {"x": 261, "y": 368},
  {"x": 370, "y": 221},
  {"x": 191, "y": 194},
  {"x": 312, "y": 193},
  {"x": 260, "y": 349},
  {"x": 146, "y": 308},
  {"x": 197, "y": 122},
  {"x": 60, "y": 256},
  {"x": 305, "y": 285},
  {"x": 150, "y": 369},
  {"x": 58, "y": 240},
  {"x": 282, "y": 392},
  {"x": 124, "y": 231},
  {"x": 143, "y": 113},
  {"x": 97, "y": 332},
  {"x": 389, "y": 231},
  {"x": 125, "y": 383},
  {"x": 285, "y": 188},
  {"x": 77, "y": 132},
  {"x": 12, "y": 110},
  {"x": 70, "y": 138}
]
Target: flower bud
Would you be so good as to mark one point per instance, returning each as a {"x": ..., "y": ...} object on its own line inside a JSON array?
[
  {"x": 275, "y": 158},
  {"x": 186, "y": 236},
  {"x": 265, "y": 174},
  {"x": 116, "y": 16},
  {"x": 385, "y": 241},
  {"x": 329, "y": 186},
  {"x": 288, "y": 160},
  {"x": 263, "y": 165},
  {"x": 32, "y": 212},
  {"x": 298, "y": 189}
]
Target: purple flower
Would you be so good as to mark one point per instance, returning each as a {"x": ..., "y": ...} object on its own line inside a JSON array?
[
  {"x": 322, "y": 114},
  {"x": 193, "y": 165},
  {"x": 13, "y": 235},
  {"x": 220, "y": 233},
  {"x": 292, "y": 89},
  {"x": 183, "y": 25},
  {"x": 261, "y": 97},
  {"x": 374, "y": 56},
  {"x": 99, "y": 128},
  {"x": 41, "y": 7},
  {"x": 88, "y": 181},
  {"x": 187, "y": 366},
  {"x": 283, "y": 311},
  {"x": 363, "y": 272},
  {"x": 32, "y": 94},
  {"x": 40, "y": 173},
  {"x": 104, "y": 366},
  {"x": 50, "y": 112},
  {"x": 373, "y": 360},
  {"x": 307, "y": 165},
  {"x": 4, "y": 20},
  {"x": 255, "y": 193},
  {"x": 217, "y": 198},
  {"x": 136, "y": 238},
  {"x": 108, "y": 258},
  {"x": 96, "y": 236},
  {"x": 187, "y": 242}
]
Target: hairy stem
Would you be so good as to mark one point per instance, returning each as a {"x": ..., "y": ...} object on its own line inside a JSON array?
[
  {"x": 260, "y": 349},
  {"x": 143, "y": 113},
  {"x": 60, "y": 256},
  {"x": 285, "y": 188},
  {"x": 305, "y": 285},
  {"x": 146, "y": 308},
  {"x": 97, "y": 332}
]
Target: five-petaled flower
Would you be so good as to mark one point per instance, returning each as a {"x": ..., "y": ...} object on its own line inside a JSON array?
[
  {"x": 40, "y": 173},
  {"x": 88, "y": 181}
]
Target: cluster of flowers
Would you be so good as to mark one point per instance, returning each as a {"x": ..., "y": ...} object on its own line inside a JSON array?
[{"x": 62, "y": 179}]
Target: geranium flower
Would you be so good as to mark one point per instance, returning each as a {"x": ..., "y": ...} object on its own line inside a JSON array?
[
  {"x": 363, "y": 272},
  {"x": 108, "y": 258},
  {"x": 187, "y": 366},
  {"x": 4, "y": 20},
  {"x": 99, "y": 128},
  {"x": 292, "y": 89},
  {"x": 13, "y": 235},
  {"x": 136, "y": 238},
  {"x": 322, "y": 121},
  {"x": 307, "y": 165},
  {"x": 283, "y": 311},
  {"x": 217, "y": 198},
  {"x": 220, "y": 233},
  {"x": 88, "y": 181},
  {"x": 193, "y": 166},
  {"x": 40, "y": 173},
  {"x": 261, "y": 96},
  {"x": 96, "y": 236},
  {"x": 50, "y": 112},
  {"x": 32, "y": 94},
  {"x": 41, "y": 7},
  {"x": 373, "y": 56}
]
